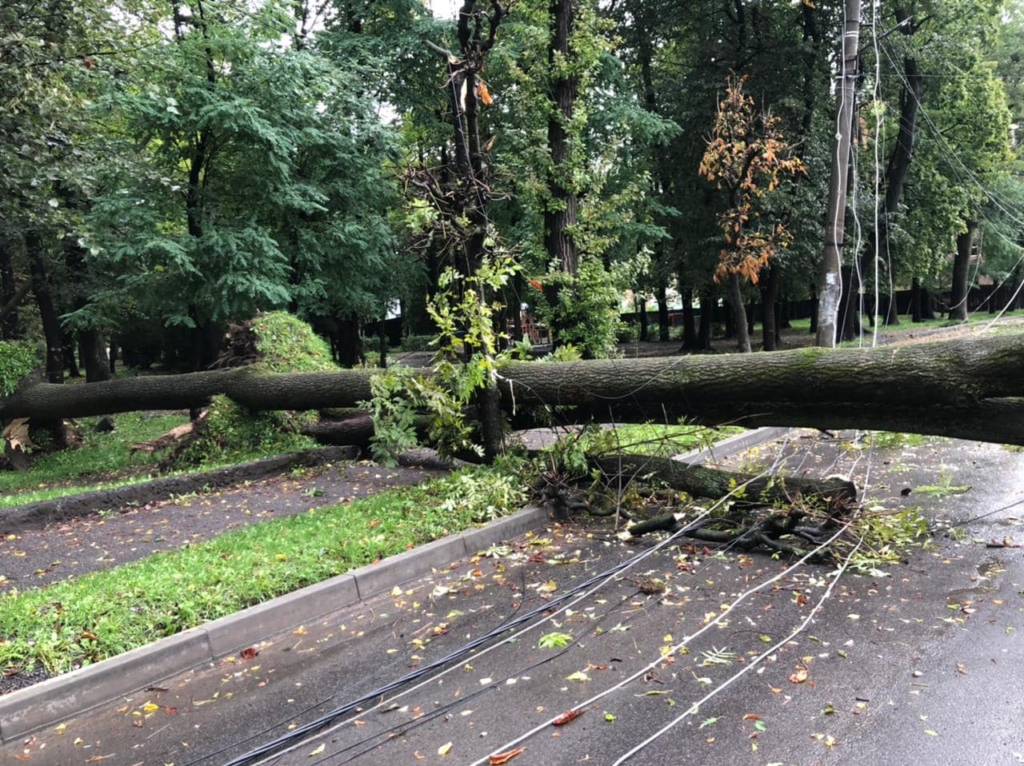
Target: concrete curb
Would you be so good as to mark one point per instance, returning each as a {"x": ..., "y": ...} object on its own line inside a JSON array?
[
  {"x": 49, "y": 511},
  {"x": 56, "y": 699},
  {"x": 734, "y": 444}
]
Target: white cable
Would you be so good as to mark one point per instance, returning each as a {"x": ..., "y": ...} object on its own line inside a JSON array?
[
  {"x": 749, "y": 666},
  {"x": 677, "y": 647},
  {"x": 877, "y": 92},
  {"x": 515, "y": 636}
]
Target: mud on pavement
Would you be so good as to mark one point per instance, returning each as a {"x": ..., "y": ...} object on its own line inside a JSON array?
[{"x": 689, "y": 655}]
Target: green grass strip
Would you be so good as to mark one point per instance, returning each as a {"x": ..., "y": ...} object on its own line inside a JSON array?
[{"x": 100, "y": 615}]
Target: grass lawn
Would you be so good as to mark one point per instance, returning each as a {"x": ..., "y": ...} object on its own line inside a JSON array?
[
  {"x": 78, "y": 622},
  {"x": 104, "y": 461}
]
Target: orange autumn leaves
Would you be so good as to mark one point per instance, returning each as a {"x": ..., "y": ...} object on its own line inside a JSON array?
[{"x": 746, "y": 156}]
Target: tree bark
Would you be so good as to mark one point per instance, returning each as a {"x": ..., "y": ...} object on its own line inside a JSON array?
[
  {"x": 43, "y": 290},
  {"x": 11, "y": 296},
  {"x": 663, "y": 328},
  {"x": 562, "y": 209},
  {"x": 769, "y": 296},
  {"x": 747, "y": 489},
  {"x": 830, "y": 284},
  {"x": 9, "y": 311},
  {"x": 707, "y": 308}
]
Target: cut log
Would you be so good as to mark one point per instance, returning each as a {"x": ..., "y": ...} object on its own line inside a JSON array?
[{"x": 970, "y": 388}]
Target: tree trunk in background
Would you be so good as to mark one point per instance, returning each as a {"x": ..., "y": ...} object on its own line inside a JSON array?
[
  {"x": 561, "y": 212},
  {"x": 91, "y": 349},
  {"x": 849, "y": 306},
  {"x": 48, "y": 312},
  {"x": 892, "y": 315},
  {"x": 898, "y": 168},
  {"x": 829, "y": 309},
  {"x": 350, "y": 343},
  {"x": 769, "y": 295},
  {"x": 68, "y": 349},
  {"x": 9, "y": 295},
  {"x": 707, "y": 308},
  {"x": 690, "y": 342},
  {"x": 641, "y": 305},
  {"x": 961, "y": 270},
  {"x": 739, "y": 314},
  {"x": 663, "y": 322},
  {"x": 93, "y": 353},
  {"x": 915, "y": 300}
]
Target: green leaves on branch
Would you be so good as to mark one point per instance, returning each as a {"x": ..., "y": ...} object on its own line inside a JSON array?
[{"x": 405, "y": 406}]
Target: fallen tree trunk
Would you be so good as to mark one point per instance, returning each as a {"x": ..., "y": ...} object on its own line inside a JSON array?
[
  {"x": 965, "y": 388},
  {"x": 746, "y": 489}
]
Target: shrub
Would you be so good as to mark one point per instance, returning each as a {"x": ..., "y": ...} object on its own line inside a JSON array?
[
  {"x": 284, "y": 344},
  {"x": 17, "y": 360}
]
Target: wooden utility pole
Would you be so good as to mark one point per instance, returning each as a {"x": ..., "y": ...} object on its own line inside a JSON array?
[{"x": 830, "y": 286}]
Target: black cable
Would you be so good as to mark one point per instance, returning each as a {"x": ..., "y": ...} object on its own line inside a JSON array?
[
  {"x": 320, "y": 722},
  {"x": 463, "y": 700}
]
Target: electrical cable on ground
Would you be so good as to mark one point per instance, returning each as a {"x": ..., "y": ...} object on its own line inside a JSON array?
[
  {"x": 750, "y": 665},
  {"x": 677, "y": 647},
  {"x": 286, "y": 742}
]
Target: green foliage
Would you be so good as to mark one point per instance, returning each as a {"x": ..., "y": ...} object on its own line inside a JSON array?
[
  {"x": 248, "y": 175},
  {"x": 17, "y": 360},
  {"x": 463, "y": 364},
  {"x": 393, "y": 412},
  {"x": 888, "y": 535},
  {"x": 484, "y": 493},
  {"x": 287, "y": 344},
  {"x": 587, "y": 311},
  {"x": 234, "y": 433},
  {"x": 554, "y": 640},
  {"x": 231, "y": 431}
]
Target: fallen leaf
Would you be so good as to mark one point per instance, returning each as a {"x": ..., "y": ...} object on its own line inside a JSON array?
[
  {"x": 444, "y": 749},
  {"x": 249, "y": 653},
  {"x": 566, "y": 717},
  {"x": 499, "y": 758},
  {"x": 799, "y": 676},
  {"x": 318, "y": 750}
]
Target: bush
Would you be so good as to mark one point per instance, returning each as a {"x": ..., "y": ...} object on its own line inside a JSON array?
[
  {"x": 628, "y": 332},
  {"x": 284, "y": 344},
  {"x": 17, "y": 360},
  {"x": 417, "y": 342}
]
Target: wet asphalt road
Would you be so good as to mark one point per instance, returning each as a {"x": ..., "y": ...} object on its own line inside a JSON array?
[{"x": 916, "y": 663}]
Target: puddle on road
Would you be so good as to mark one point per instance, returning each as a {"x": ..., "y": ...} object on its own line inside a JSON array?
[{"x": 990, "y": 568}]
